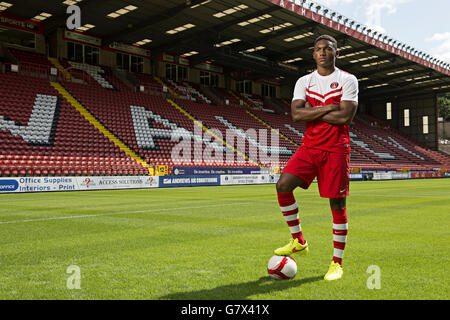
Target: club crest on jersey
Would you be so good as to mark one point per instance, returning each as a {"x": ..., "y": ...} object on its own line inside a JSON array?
[{"x": 334, "y": 85}]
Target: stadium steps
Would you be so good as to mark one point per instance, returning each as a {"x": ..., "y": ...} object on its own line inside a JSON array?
[
  {"x": 204, "y": 128},
  {"x": 401, "y": 158},
  {"x": 58, "y": 65},
  {"x": 225, "y": 118},
  {"x": 172, "y": 92},
  {"x": 251, "y": 114},
  {"x": 211, "y": 94},
  {"x": 149, "y": 83},
  {"x": 23, "y": 56},
  {"x": 225, "y": 95},
  {"x": 274, "y": 105},
  {"x": 240, "y": 99},
  {"x": 88, "y": 116},
  {"x": 251, "y": 103},
  {"x": 75, "y": 146},
  {"x": 247, "y": 102},
  {"x": 437, "y": 156}
]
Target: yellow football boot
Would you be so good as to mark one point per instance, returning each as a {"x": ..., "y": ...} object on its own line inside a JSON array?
[
  {"x": 292, "y": 247},
  {"x": 334, "y": 272}
]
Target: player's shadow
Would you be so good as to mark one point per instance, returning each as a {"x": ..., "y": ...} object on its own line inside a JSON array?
[{"x": 240, "y": 291}]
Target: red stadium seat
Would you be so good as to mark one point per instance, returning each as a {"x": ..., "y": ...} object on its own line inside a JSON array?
[{"x": 78, "y": 148}]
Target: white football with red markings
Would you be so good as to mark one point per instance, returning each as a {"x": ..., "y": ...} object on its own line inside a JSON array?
[{"x": 282, "y": 267}]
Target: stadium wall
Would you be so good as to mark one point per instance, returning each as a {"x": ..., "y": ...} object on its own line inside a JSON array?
[
  {"x": 40, "y": 45},
  {"x": 58, "y": 48},
  {"x": 445, "y": 148},
  {"x": 419, "y": 106},
  {"x": 444, "y": 129},
  {"x": 286, "y": 91}
]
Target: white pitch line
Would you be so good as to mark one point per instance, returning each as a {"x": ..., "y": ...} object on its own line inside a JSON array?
[{"x": 122, "y": 213}]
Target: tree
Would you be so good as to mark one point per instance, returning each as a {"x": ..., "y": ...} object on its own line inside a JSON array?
[{"x": 444, "y": 106}]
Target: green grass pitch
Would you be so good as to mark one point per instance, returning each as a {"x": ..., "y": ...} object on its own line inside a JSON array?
[{"x": 214, "y": 243}]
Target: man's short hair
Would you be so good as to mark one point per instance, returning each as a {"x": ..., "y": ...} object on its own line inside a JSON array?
[{"x": 326, "y": 37}]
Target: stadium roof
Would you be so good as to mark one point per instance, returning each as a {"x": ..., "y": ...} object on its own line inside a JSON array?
[{"x": 259, "y": 38}]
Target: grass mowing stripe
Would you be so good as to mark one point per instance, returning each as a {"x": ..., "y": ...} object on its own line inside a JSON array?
[
  {"x": 123, "y": 213},
  {"x": 216, "y": 243}
]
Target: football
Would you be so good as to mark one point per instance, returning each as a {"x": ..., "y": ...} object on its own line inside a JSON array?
[{"x": 282, "y": 267}]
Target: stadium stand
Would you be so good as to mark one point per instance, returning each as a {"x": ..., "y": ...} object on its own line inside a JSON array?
[
  {"x": 149, "y": 84},
  {"x": 234, "y": 121},
  {"x": 125, "y": 105},
  {"x": 30, "y": 57},
  {"x": 127, "y": 115},
  {"x": 43, "y": 134}
]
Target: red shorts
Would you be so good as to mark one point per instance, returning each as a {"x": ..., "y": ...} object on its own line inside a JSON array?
[{"x": 331, "y": 169}]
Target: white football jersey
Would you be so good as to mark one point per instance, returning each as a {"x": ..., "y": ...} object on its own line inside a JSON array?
[{"x": 320, "y": 91}]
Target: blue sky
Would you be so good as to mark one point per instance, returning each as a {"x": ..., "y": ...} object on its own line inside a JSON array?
[{"x": 425, "y": 25}]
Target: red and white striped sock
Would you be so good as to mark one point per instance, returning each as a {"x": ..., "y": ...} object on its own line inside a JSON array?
[
  {"x": 289, "y": 208},
  {"x": 340, "y": 230}
]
